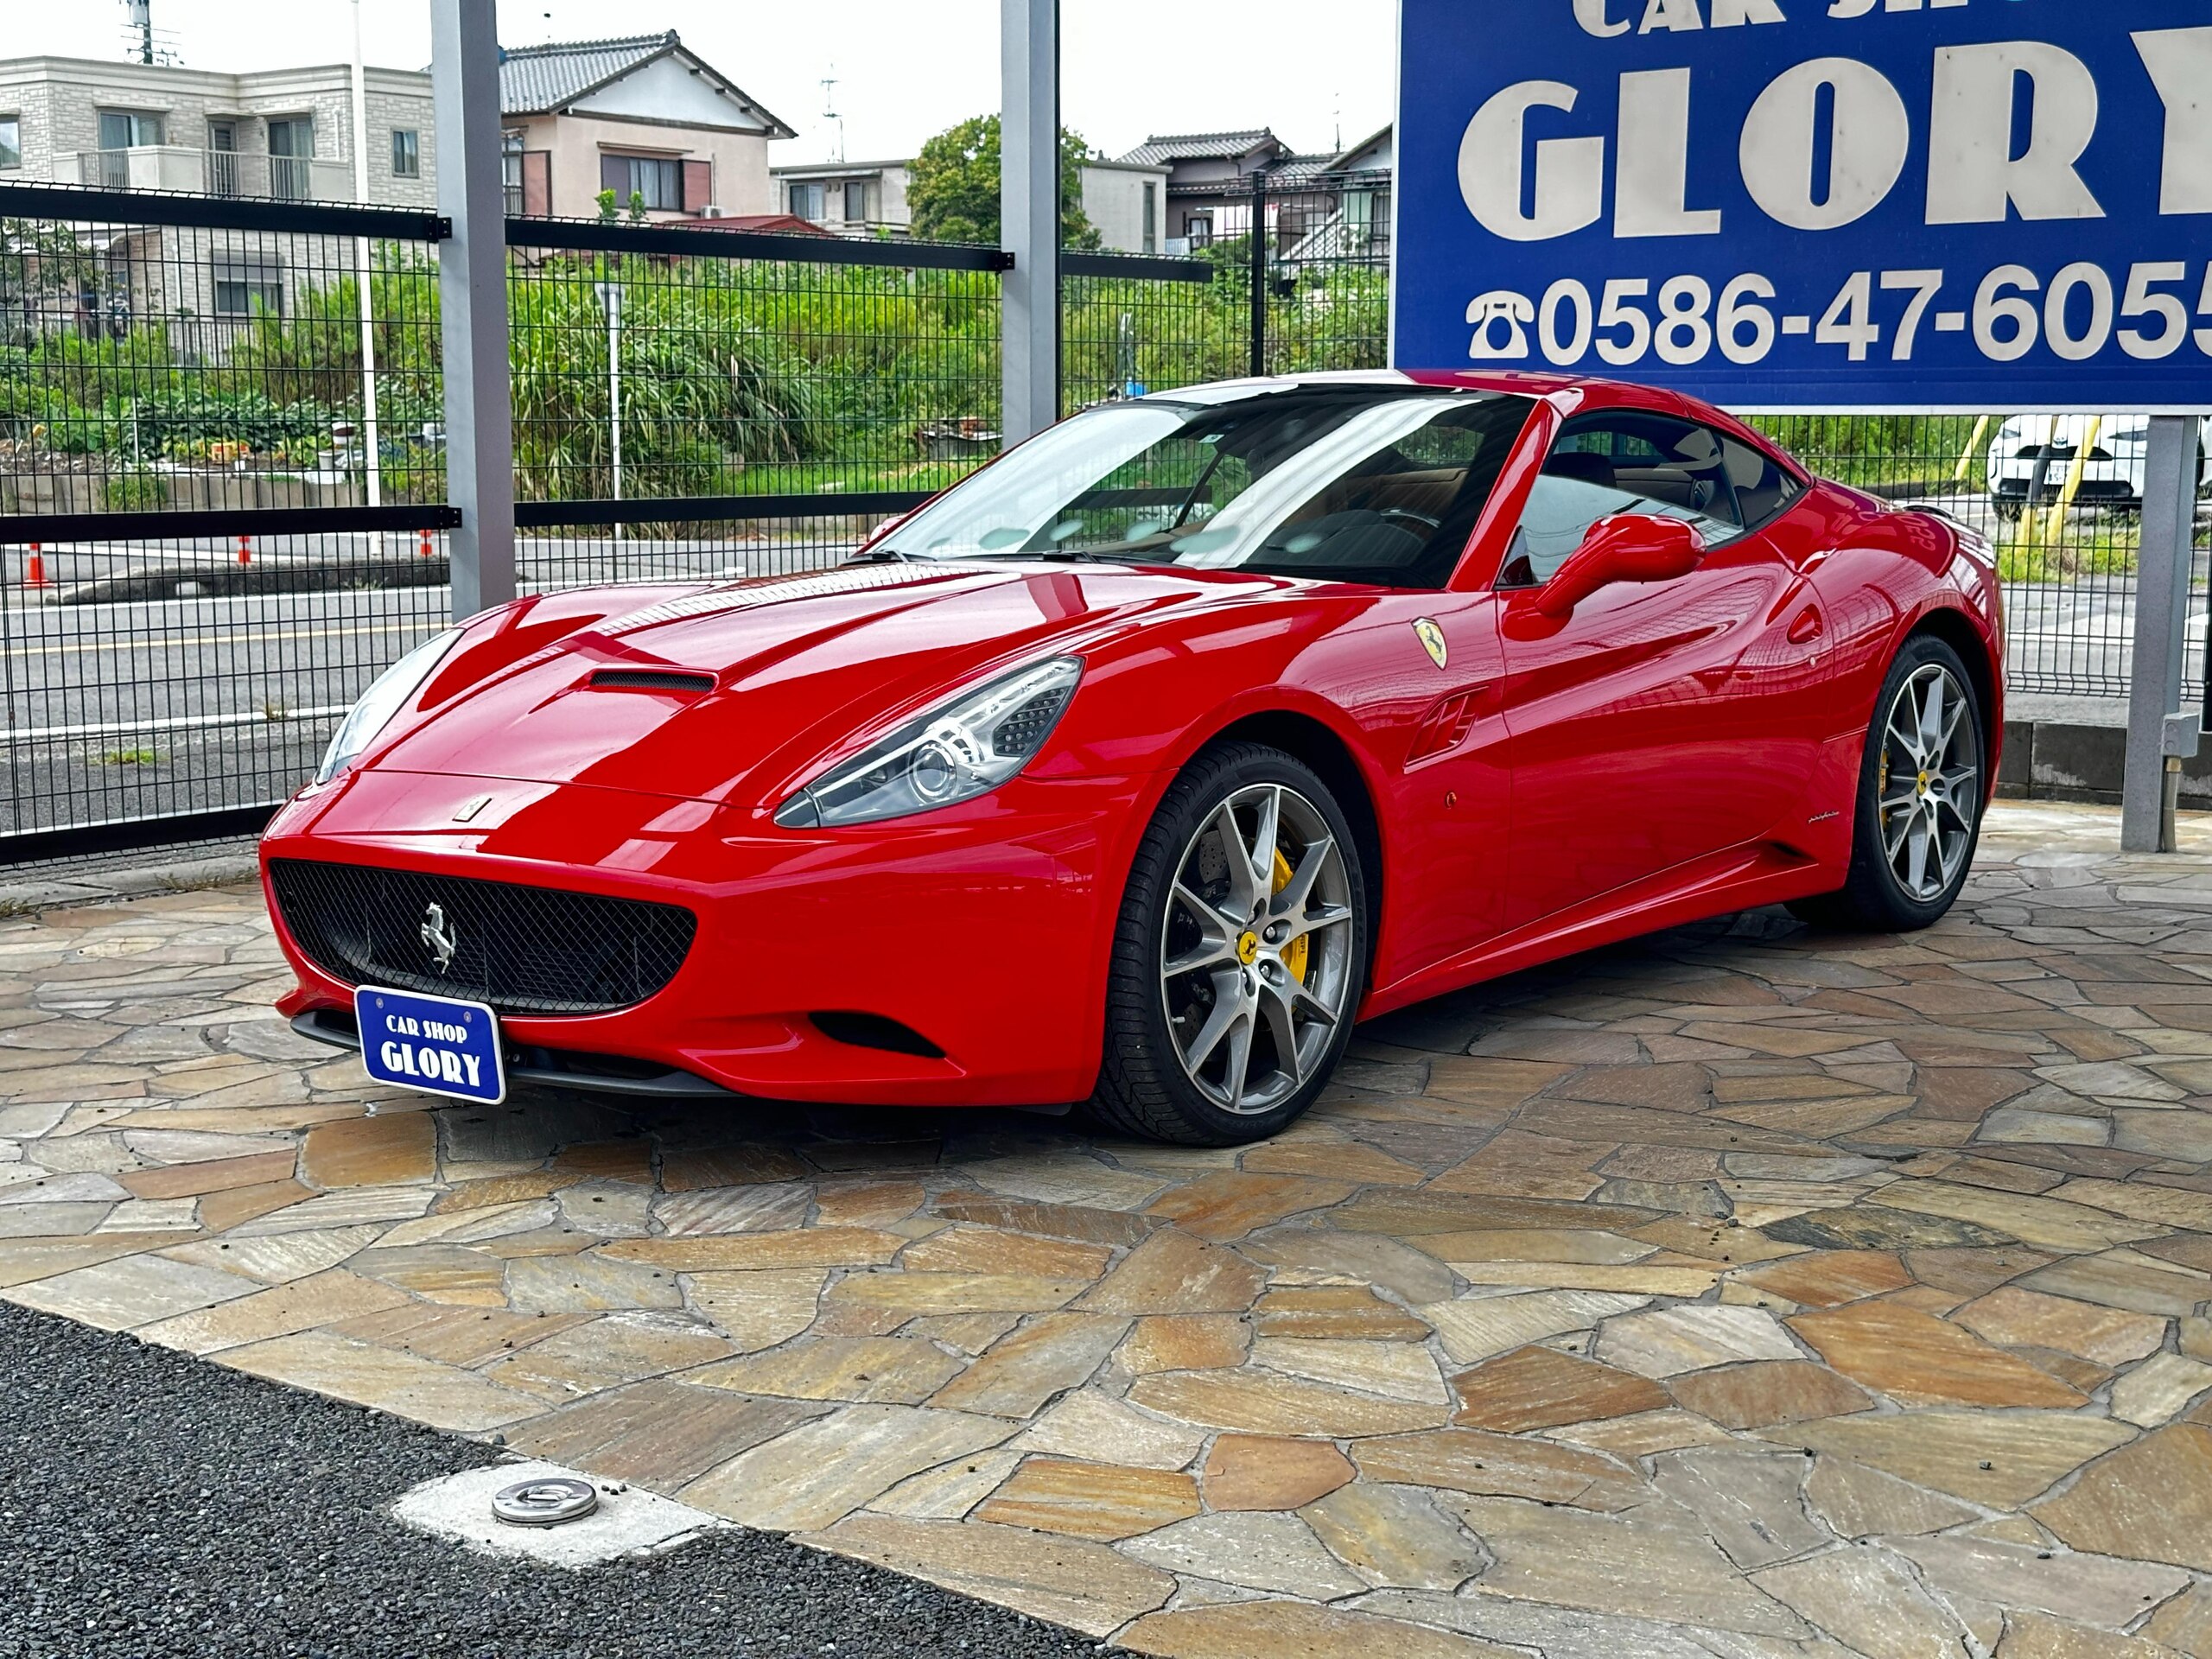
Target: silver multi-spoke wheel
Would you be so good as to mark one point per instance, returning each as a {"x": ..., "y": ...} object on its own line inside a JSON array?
[
  {"x": 1256, "y": 959},
  {"x": 1928, "y": 785}
]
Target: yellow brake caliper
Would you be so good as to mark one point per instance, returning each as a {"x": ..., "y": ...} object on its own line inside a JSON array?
[{"x": 1294, "y": 957}]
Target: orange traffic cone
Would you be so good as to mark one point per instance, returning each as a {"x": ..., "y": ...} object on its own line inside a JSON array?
[
  {"x": 34, "y": 571},
  {"x": 425, "y": 550},
  {"x": 246, "y": 550}
]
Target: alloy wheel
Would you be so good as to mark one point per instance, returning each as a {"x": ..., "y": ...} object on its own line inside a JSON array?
[
  {"x": 1255, "y": 958},
  {"x": 1929, "y": 785}
]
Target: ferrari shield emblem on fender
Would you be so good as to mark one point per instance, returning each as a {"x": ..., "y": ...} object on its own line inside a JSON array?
[{"x": 1432, "y": 639}]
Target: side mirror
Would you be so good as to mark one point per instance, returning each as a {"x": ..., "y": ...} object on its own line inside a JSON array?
[{"x": 1629, "y": 547}]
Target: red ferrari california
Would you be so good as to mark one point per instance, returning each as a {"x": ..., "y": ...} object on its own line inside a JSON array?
[{"x": 1140, "y": 766}]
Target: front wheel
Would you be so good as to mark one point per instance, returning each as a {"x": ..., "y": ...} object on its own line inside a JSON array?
[
  {"x": 1240, "y": 956},
  {"x": 1919, "y": 800}
]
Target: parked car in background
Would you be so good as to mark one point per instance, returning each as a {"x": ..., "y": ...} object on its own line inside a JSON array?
[
  {"x": 1142, "y": 763},
  {"x": 2035, "y": 453}
]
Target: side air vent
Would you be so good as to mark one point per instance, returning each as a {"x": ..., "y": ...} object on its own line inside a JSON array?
[
  {"x": 1444, "y": 726},
  {"x": 874, "y": 1031},
  {"x": 652, "y": 679}
]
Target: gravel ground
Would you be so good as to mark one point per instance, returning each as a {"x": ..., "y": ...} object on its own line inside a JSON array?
[{"x": 151, "y": 1505}]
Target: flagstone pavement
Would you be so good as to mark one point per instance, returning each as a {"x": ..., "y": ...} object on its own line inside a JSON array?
[{"x": 1740, "y": 1293}]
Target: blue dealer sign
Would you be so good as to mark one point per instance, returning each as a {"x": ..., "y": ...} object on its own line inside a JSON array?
[{"x": 1814, "y": 204}]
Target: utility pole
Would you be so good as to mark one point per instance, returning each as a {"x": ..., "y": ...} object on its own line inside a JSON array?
[
  {"x": 830, "y": 109},
  {"x": 473, "y": 302},
  {"x": 1029, "y": 213},
  {"x": 141, "y": 19}
]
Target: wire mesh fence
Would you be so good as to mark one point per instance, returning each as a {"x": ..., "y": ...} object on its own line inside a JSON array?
[
  {"x": 178, "y": 684},
  {"x": 2059, "y": 497},
  {"x": 221, "y": 423},
  {"x": 183, "y": 354}
]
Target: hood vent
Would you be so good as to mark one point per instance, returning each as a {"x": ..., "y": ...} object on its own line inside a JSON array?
[{"x": 683, "y": 683}]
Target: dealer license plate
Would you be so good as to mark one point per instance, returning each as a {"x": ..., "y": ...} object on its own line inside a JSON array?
[{"x": 439, "y": 1043}]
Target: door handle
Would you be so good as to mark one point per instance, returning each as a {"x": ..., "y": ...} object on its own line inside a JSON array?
[{"x": 1807, "y": 626}]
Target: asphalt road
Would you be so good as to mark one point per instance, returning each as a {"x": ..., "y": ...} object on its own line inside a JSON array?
[
  {"x": 153, "y": 708},
  {"x": 157, "y": 707},
  {"x": 155, "y": 1507}
]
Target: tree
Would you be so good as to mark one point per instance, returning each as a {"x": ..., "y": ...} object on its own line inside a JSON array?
[{"x": 954, "y": 192}]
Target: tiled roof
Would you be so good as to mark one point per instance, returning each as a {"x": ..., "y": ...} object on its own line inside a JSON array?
[
  {"x": 535, "y": 79},
  {"x": 539, "y": 80},
  {"x": 1197, "y": 146}
]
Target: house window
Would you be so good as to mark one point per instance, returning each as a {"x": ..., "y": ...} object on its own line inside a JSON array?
[
  {"x": 129, "y": 129},
  {"x": 222, "y": 158},
  {"x": 855, "y": 202},
  {"x": 244, "y": 286},
  {"x": 406, "y": 153},
  {"x": 11, "y": 140},
  {"x": 657, "y": 179},
  {"x": 291, "y": 152},
  {"x": 1151, "y": 217},
  {"x": 1201, "y": 232},
  {"x": 806, "y": 200},
  {"x": 510, "y": 170}
]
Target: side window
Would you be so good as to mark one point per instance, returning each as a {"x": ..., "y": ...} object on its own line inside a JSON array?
[
  {"x": 1622, "y": 462},
  {"x": 1764, "y": 490}
]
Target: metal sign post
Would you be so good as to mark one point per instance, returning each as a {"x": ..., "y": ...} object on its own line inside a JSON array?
[
  {"x": 473, "y": 303},
  {"x": 2159, "y": 738},
  {"x": 1029, "y": 213}
]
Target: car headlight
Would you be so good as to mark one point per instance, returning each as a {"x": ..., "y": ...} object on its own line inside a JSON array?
[
  {"x": 384, "y": 698},
  {"x": 962, "y": 749}
]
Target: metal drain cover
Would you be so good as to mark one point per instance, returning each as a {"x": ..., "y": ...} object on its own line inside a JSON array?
[{"x": 545, "y": 1502}]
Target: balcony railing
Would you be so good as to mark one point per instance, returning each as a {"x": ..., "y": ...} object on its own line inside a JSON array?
[{"x": 216, "y": 173}]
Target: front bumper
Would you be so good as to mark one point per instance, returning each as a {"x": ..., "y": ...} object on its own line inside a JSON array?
[{"x": 982, "y": 930}]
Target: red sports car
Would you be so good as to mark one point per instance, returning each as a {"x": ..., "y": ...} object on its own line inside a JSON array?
[{"x": 1140, "y": 766}]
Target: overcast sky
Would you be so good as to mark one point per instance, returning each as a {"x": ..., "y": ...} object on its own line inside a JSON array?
[{"x": 904, "y": 70}]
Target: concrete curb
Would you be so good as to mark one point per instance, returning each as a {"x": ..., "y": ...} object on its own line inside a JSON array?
[
  {"x": 105, "y": 887},
  {"x": 2069, "y": 761}
]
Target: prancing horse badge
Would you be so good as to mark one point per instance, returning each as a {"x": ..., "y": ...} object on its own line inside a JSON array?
[{"x": 1432, "y": 639}]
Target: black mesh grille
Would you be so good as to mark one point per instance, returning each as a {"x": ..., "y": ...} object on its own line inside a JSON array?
[
  {"x": 521, "y": 949},
  {"x": 652, "y": 679}
]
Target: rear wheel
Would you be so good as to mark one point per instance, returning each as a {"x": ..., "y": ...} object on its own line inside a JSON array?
[
  {"x": 1919, "y": 800},
  {"x": 1240, "y": 956}
]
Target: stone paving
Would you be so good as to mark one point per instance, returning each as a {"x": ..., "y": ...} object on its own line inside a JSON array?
[{"x": 1738, "y": 1293}]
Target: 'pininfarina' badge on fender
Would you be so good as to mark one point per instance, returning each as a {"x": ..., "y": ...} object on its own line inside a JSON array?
[{"x": 1432, "y": 639}]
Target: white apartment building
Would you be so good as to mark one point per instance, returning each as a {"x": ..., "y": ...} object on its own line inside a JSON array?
[{"x": 1127, "y": 200}]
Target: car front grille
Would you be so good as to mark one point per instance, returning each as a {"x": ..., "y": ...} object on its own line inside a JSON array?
[{"x": 520, "y": 950}]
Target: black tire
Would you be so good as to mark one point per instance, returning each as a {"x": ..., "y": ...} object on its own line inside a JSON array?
[
  {"x": 1877, "y": 899},
  {"x": 1144, "y": 1088}
]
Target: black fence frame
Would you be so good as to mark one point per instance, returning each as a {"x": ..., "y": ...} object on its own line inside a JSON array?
[{"x": 75, "y": 206}]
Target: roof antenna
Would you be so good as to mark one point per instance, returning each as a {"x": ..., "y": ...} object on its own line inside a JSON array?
[{"x": 830, "y": 109}]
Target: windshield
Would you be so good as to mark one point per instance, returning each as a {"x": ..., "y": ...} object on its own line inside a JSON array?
[{"x": 1375, "y": 484}]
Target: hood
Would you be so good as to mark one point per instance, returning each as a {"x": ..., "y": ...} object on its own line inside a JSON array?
[{"x": 774, "y": 676}]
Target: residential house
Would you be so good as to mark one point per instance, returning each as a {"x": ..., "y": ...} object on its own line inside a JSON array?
[
  {"x": 1212, "y": 178},
  {"x": 1124, "y": 200},
  {"x": 1127, "y": 202},
  {"x": 850, "y": 197},
  {"x": 646, "y": 117},
  {"x": 281, "y": 133}
]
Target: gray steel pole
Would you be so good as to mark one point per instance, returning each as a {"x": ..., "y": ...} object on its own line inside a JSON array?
[
  {"x": 2162, "y": 602},
  {"x": 1029, "y": 213},
  {"x": 473, "y": 302}
]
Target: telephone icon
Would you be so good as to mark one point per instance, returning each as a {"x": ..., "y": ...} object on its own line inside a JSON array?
[{"x": 1486, "y": 313}]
